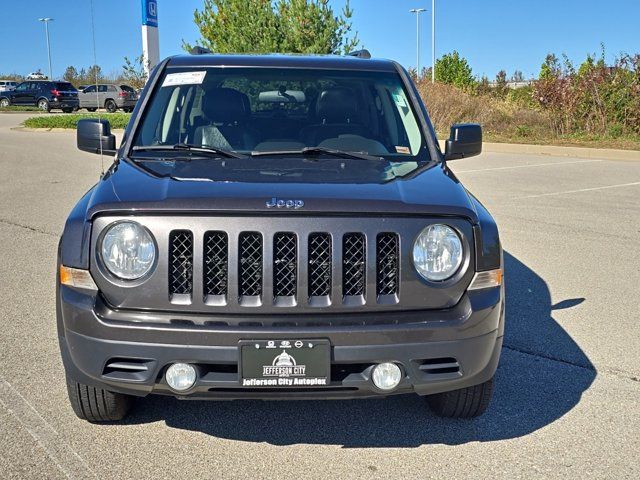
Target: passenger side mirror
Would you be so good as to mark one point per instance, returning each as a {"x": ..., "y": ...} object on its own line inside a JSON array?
[
  {"x": 92, "y": 133},
  {"x": 465, "y": 140}
]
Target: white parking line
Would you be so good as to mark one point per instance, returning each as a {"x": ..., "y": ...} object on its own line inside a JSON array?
[
  {"x": 60, "y": 452},
  {"x": 580, "y": 190},
  {"x": 513, "y": 167}
]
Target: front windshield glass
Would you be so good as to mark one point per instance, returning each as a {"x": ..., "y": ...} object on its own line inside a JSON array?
[{"x": 284, "y": 109}]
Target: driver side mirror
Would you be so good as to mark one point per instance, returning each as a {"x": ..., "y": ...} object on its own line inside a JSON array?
[
  {"x": 92, "y": 133},
  {"x": 465, "y": 140}
]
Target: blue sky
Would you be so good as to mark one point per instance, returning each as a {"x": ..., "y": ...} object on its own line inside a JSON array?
[{"x": 509, "y": 34}]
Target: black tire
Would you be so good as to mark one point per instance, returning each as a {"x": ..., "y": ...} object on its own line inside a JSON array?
[
  {"x": 43, "y": 104},
  {"x": 127, "y": 110},
  {"x": 111, "y": 106},
  {"x": 91, "y": 109},
  {"x": 67, "y": 110},
  {"x": 463, "y": 403},
  {"x": 4, "y": 102},
  {"x": 97, "y": 405}
]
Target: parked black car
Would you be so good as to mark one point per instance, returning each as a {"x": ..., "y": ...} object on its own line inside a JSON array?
[
  {"x": 45, "y": 94},
  {"x": 279, "y": 227}
]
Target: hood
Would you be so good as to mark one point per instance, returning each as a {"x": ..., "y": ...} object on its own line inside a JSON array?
[{"x": 333, "y": 186}]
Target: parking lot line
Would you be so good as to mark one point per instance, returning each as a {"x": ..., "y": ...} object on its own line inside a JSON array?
[
  {"x": 580, "y": 190},
  {"x": 513, "y": 167},
  {"x": 60, "y": 452}
]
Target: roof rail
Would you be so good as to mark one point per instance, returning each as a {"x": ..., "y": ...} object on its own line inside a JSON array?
[
  {"x": 198, "y": 50},
  {"x": 364, "y": 53}
]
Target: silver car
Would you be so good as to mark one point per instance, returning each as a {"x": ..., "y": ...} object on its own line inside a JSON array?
[
  {"x": 108, "y": 96},
  {"x": 7, "y": 85}
]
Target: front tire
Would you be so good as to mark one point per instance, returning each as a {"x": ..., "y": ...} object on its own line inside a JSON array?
[
  {"x": 463, "y": 403},
  {"x": 91, "y": 109},
  {"x": 111, "y": 106},
  {"x": 43, "y": 104},
  {"x": 4, "y": 102},
  {"x": 97, "y": 405}
]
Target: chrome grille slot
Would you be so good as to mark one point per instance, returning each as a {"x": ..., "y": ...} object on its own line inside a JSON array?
[
  {"x": 250, "y": 268},
  {"x": 387, "y": 265},
  {"x": 180, "y": 266},
  {"x": 216, "y": 267},
  {"x": 285, "y": 266},
  {"x": 354, "y": 254}
]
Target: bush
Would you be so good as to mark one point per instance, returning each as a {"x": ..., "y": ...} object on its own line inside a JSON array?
[
  {"x": 448, "y": 105},
  {"x": 117, "y": 120},
  {"x": 19, "y": 108}
]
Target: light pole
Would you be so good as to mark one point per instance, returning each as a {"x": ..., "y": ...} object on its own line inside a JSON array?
[
  {"x": 46, "y": 21},
  {"x": 433, "y": 41},
  {"x": 418, "y": 11}
]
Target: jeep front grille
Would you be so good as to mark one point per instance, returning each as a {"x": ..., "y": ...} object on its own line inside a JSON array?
[
  {"x": 320, "y": 263},
  {"x": 181, "y": 262},
  {"x": 387, "y": 257},
  {"x": 285, "y": 263},
  {"x": 250, "y": 264},
  {"x": 354, "y": 253},
  {"x": 216, "y": 263}
]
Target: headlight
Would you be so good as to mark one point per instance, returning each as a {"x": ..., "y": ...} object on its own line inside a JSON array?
[
  {"x": 437, "y": 253},
  {"x": 128, "y": 250}
]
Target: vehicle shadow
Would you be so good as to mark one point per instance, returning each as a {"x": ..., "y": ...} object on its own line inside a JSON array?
[{"x": 541, "y": 377}]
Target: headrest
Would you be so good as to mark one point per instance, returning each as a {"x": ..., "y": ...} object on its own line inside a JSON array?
[
  {"x": 337, "y": 105},
  {"x": 225, "y": 105}
]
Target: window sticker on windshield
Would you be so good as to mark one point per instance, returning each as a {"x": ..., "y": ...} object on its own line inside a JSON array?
[
  {"x": 399, "y": 99},
  {"x": 401, "y": 149},
  {"x": 183, "y": 78}
]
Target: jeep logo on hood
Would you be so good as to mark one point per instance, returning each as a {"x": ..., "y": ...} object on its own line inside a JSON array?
[{"x": 280, "y": 203}]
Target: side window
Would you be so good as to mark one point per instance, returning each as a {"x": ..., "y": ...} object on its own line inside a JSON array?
[
  {"x": 102, "y": 88},
  {"x": 90, "y": 89},
  {"x": 22, "y": 87},
  {"x": 112, "y": 88}
]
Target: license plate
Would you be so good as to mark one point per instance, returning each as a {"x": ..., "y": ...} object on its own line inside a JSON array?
[{"x": 285, "y": 363}]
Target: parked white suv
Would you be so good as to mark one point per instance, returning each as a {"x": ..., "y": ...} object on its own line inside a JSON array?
[{"x": 7, "y": 85}]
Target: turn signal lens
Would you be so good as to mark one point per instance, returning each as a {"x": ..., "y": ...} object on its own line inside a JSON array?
[
  {"x": 490, "y": 278},
  {"x": 74, "y": 277}
]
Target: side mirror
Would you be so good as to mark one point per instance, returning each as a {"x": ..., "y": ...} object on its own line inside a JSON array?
[
  {"x": 465, "y": 140},
  {"x": 92, "y": 133}
]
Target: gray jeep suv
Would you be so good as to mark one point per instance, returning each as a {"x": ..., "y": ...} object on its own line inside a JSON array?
[{"x": 279, "y": 227}]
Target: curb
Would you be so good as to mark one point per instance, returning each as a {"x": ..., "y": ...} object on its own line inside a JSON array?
[{"x": 558, "y": 151}]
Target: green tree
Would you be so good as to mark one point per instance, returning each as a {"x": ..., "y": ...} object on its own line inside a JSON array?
[
  {"x": 454, "y": 70},
  {"x": 550, "y": 68},
  {"x": 70, "y": 75},
  {"x": 94, "y": 74},
  {"x": 134, "y": 72},
  {"x": 267, "y": 26}
]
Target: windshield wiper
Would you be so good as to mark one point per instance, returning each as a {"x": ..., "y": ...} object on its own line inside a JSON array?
[
  {"x": 312, "y": 151},
  {"x": 218, "y": 152}
]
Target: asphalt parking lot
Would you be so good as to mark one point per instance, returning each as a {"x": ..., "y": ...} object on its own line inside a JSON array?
[{"x": 567, "y": 401}]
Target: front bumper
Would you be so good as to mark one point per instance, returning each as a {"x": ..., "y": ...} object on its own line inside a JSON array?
[{"x": 438, "y": 350}]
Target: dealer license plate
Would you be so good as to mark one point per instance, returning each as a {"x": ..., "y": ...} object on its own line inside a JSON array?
[{"x": 297, "y": 363}]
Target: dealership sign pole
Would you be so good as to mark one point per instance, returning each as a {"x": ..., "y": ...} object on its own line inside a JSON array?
[{"x": 150, "y": 44}]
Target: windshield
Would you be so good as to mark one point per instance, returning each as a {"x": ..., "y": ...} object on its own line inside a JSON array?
[{"x": 283, "y": 109}]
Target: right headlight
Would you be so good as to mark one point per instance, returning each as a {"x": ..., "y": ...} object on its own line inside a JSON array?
[
  {"x": 437, "y": 253},
  {"x": 128, "y": 250}
]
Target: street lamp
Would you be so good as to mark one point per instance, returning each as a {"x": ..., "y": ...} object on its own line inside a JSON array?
[
  {"x": 433, "y": 41},
  {"x": 418, "y": 11},
  {"x": 46, "y": 21}
]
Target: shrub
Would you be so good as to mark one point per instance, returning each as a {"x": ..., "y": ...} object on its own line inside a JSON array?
[{"x": 117, "y": 120}]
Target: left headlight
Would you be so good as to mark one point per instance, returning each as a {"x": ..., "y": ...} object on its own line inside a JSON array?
[
  {"x": 437, "y": 253},
  {"x": 128, "y": 250}
]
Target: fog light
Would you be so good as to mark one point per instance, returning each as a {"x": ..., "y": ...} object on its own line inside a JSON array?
[
  {"x": 386, "y": 376},
  {"x": 181, "y": 376}
]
